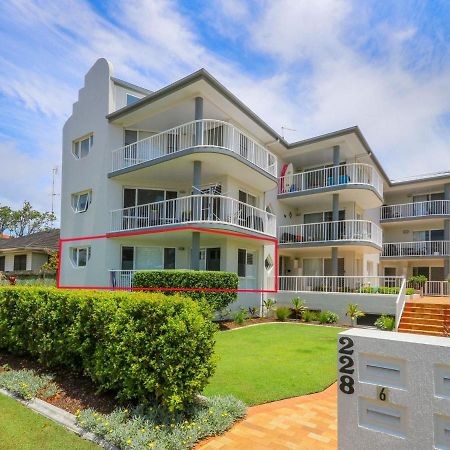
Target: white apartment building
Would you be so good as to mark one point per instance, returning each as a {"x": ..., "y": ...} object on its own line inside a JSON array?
[{"x": 188, "y": 177}]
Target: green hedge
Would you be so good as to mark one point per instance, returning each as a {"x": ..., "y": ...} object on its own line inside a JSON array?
[
  {"x": 146, "y": 347},
  {"x": 192, "y": 279}
]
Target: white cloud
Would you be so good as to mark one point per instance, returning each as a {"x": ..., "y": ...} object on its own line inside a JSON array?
[{"x": 320, "y": 74}]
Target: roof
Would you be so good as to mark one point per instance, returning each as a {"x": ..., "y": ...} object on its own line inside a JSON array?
[
  {"x": 44, "y": 240},
  {"x": 132, "y": 86}
]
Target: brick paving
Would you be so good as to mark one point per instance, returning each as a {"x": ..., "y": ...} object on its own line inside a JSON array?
[{"x": 306, "y": 422}]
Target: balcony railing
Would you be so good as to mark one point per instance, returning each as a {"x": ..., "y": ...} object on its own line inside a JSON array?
[
  {"x": 342, "y": 230},
  {"x": 199, "y": 133},
  {"x": 346, "y": 174},
  {"x": 417, "y": 209},
  {"x": 123, "y": 279},
  {"x": 351, "y": 284},
  {"x": 437, "y": 288},
  {"x": 418, "y": 248},
  {"x": 194, "y": 209}
]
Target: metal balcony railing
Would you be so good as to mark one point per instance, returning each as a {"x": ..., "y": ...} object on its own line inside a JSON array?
[
  {"x": 194, "y": 209},
  {"x": 346, "y": 174},
  {"x": 350, "y": 284},
  {"x": 418, "y": 248},
  {"x": 199, "y": 133},
  {"x": 341, "y": 230},
  {"x": 417, "y": 209}
]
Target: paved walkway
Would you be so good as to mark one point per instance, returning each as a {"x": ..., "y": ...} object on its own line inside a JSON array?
[
  {"x": 307, "y": 422},
  {"x": 432, "y": 300}
]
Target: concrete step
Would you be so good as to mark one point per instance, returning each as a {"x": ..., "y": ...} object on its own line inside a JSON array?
[
  {"x": 425, "y": 307},
  {"x": 425, "y": 316}
]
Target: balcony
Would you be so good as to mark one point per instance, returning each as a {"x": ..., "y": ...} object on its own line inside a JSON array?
[
  {"x": 360, "y": 182},
  {"x": 416, "y": 249},
  {"x": 417, "y": 210},
  {"x": 214, "y": 135},
  {"x": 194, "y": 209},
  {"x": 331, "y": 233}
]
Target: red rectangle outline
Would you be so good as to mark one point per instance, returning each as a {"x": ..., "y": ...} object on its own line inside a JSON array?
[{"x": 274, "y": 241}]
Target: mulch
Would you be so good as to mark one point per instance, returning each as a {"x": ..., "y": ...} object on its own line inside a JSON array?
[{"x": 76, "y": 391}]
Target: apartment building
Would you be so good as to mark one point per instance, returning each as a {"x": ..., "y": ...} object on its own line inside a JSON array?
[
  {"x": 188, "y": 177},
  {"x": 416, "y": 227}
]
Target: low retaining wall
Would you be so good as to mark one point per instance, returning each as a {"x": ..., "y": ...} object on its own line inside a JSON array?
[
  {"x": 393, "y": 391},
  {"x": 338, "y": 302}
]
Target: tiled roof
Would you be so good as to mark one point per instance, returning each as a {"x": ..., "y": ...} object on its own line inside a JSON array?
[{"x": 42, "y": 240}]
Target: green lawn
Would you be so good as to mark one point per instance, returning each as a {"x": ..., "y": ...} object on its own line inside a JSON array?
[
  {"x": 274, "y": 361},
  {"x": 23, "y": 429}
]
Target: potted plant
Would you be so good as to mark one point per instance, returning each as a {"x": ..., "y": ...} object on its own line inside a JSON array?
[
  {"x": 354, "y": 313},
  {"x": 269, "y": 306},
  {"x": 418, "y": 282}
]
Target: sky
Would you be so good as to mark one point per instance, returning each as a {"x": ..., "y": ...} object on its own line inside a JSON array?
[{"x": 311, "y": 66}]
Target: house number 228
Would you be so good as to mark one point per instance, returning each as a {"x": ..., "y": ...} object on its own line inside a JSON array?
[{"x": 346, "y": 363}]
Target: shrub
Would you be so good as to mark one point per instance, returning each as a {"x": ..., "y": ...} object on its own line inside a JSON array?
[
  {"x": 282, "y": 313},
  {"x": 253, "y": 312},
  {"x": 192, "y": 279},
  {"x": 418, "y": 281},
  {"x": 158, "y": 429},
  {"x": 298, "y": 306},
  {"x": 386, "y": 323},
  {"x": 310, "y": 316},
  {"x": 409, "y": 291},
  {"x": 328, "y": 317},
  {"x": 145, "y": 347},
  {"x": 28, "y": 384},
  {"x": 240, "y": 316},
  {"x": 269, "y": 306}
]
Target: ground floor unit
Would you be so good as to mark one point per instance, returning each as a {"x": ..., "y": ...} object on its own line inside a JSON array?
[{"x": 435, "y": 268}]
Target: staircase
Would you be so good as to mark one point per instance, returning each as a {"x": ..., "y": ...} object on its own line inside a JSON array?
[{"x": 432, "y": 319}]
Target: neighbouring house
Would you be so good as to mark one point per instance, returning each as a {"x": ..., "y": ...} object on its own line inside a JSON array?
[
  {"x": 151, "y": 179},
  {"x": 28, "y": 253}
]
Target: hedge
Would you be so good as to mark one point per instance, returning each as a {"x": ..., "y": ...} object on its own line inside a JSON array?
[
  {"x": 192, "y": 279},
  {"x": 146, "y": 347}
]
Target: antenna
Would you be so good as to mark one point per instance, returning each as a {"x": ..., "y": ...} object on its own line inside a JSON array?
[
  {"x": 54, "y": 194},
  {"x": 285, "y": 128}
]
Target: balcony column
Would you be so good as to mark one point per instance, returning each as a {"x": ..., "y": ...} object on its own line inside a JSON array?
[
  {"x": 198, "y": 116},
  {"x": 447, "y": 234},
  {"x": 196, "y": 207}
]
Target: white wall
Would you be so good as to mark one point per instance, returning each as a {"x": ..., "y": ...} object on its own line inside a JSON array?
[{"x": 413, "y": 370}]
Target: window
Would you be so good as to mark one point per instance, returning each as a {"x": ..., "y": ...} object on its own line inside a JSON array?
[
  {"x": 81, "y": 201},
  {"x": 245, "y": 197},
  {"x": 20, "y": 262},
  {"x": 80, "y": 256},
  {"x": 132, "y": 99},
  {"x": 2, "y": 263},
  {"x": 246, "y": 263},
  {"x": 268, "y": 263},
  {"x": 82, "y": 147},
  {"x": 148, "y": 258}
]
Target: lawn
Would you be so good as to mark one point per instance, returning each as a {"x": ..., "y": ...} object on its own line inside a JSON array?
[
  {"x": 274, "y": 361},
  {"x": 25, "y": 429}
]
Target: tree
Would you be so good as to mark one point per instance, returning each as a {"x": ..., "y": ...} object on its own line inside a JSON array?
[
  {"x": 28, "y": 220},
  {"x": 52, "y": 264},
  {"x": 5, "y": 218}
]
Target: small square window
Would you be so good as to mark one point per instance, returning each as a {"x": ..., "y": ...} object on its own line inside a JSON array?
[
  {"x": 81, "y": 201},
  {"x": 82, "y": 147},
  {"x": 80, "y": 256}
]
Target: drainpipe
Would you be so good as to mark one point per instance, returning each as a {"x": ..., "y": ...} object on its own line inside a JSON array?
[{"x": 198, "y": 116}]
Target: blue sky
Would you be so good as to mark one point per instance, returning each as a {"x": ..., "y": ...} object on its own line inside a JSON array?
[{"x": 311, "y": 66}]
